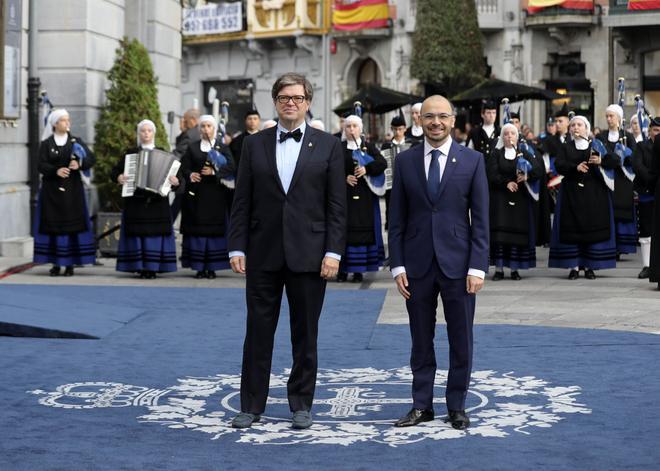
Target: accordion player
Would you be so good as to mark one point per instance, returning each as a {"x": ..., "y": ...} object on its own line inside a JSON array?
[{"x": 149, "y": 170}]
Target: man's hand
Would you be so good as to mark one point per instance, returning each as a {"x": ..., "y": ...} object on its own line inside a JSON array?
[
  {"x": 174, "y": 180},
  {"x": 206, "y": 171},
  {"x": 63, "y": 172},
  {"x": 512, "y": 187},
  {"x": 195, "y": 177},
  {"x": 329, "y": 268},
  {"x": 474, "y": 284},
  {"x": 583, "y": 167},
  {"x": 595, "y": 159},
  {"x": 360, "y": 172},
  {"x": 74, "y": 165},
  {"x": 402, "y": 285},
  {"x": 351, "y": 180},
  {"x": 238, "y": 264},
  {"x": 121, "y": 179}
]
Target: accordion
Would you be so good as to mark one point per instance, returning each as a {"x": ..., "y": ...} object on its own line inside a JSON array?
[
  {"x": 149, "y": 170},
  {"x": 390, "y": 155}
]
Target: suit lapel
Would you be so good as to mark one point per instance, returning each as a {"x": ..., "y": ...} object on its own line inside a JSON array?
[
  {"x": 308, "y": 145},
  {"x": 450, "y": 166},
  {"x": 421, "y": 171},
  {"x": 270, "y": 141}
]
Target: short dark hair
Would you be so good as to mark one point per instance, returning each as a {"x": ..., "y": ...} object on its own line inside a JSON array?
[
  {"x": 251, "y": 113},
  {"x": 292, "y": 78}
]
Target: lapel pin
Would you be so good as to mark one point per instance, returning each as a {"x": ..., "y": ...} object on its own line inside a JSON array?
[
  {"x": 453, "y": 159},
  {"x": 310, "y": 144}
]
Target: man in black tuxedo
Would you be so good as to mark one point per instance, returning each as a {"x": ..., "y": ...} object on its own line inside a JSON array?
[{"x": 288, "y": 231}]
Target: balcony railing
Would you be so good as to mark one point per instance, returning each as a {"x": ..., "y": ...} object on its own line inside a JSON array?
[
  {"x": 620, "y": 17},
  {"x": 490, "y": 14}
]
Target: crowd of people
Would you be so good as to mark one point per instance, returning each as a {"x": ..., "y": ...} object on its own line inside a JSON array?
[{"x": 588, "y": 195}]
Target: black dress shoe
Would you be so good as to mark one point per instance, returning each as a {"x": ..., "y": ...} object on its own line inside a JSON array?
[
  {"x": 415, "y": 417},
  {"x": 341, "y": 277},
  {"x": 68, "y": 271},
  {"x": 573, "y": 275},
  {"x": 589, "y": 274},
  {"x": 515, "y": 275},
  {"x": 199, "y": 275},
  {"x": 357, "y": 277},
  {"x": 645, "y": 273},
  {"x": 150, "y": 275},
  {"x": 210, "y": 274},
  {"x": 55, "y": 271},
  {"x": 499, "y": 275},
  {"x": 458, "y": 419}
]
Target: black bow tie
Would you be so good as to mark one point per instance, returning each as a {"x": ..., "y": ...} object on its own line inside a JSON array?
[{"x": 296, "y": 135}]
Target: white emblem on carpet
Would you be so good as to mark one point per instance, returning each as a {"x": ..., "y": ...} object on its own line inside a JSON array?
[{"x": 351, "y": 406}]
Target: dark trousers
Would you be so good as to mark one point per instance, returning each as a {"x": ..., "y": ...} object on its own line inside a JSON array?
[
  {"x": 305, "y": 293},
  {"x": 458, "y": 308}
]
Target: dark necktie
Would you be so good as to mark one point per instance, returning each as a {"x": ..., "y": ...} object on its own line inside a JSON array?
[
  {"x": 296, "y": 135},
  {"x": 433, "y": 181}
]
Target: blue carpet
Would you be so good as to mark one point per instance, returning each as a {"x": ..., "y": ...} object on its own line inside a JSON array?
[{"x": 157, "y": 390}]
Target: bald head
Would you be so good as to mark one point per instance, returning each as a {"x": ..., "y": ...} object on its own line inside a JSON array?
[
  {"x": 437, "y": 119},
  {"x": 438, "y": 101},
  {"x": 190, "y": 119}
]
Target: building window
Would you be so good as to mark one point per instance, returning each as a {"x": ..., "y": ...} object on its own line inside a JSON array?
[
  {"x": 10, "y": 58},
  {"x": 651, "y": 81}
]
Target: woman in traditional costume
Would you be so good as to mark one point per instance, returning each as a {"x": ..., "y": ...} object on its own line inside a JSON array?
[
  {"x": 513, "y": 174},
  {"x": 583, "y": 227},
  {"x": 146, "y": 241},
  {"x": 63, "y": 231},
  {"x": 208, "y": 169},
  {"x": 365, "y": 179}
]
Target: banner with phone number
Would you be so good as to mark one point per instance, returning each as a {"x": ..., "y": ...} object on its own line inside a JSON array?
[{"x": 212, "y": 19}]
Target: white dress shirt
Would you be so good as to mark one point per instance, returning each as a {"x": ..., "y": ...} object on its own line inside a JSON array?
[
  {"x": 286, "y": 157},
  {"x": 444, "y": 153}
]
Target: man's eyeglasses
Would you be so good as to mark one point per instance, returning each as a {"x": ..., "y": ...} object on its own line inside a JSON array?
[
  {"x": 440, "y": 116},
  {"x": 284, "y": 99}
]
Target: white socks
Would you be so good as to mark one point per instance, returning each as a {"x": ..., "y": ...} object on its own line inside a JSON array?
[{"x": 645, "y": 245}]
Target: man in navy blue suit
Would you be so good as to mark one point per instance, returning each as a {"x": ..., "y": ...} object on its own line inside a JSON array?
[{"x": 438, "y": 239}]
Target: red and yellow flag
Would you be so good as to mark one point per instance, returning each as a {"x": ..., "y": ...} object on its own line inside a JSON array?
[
  {"x": 352, "y": 15},
  {"x": 643, "y": 4},
  {"x": 537, "y": 5}
]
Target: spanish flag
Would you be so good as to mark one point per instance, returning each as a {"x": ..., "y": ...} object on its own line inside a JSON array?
[
  {"x": 643, "y": 4},
  {"x": 534, "y": 6},
  {"x": 352, "y": 15}
]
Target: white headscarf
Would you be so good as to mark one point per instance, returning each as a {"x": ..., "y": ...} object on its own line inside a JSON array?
[
  {"x": 587, "y": 125},
  {"x": 416, "y": 107},
  {"x": 141, "y": 124},
  {"x": 317, "y": 124},
  {"x": 500, "y": 139},
  {"x": 616, "y": 109},
  {"x": 53, "y": 117},
  {"x": 269, "y": 123},
  {"x": 205, "y": 145},
  {"x": 352, "y": 119}
]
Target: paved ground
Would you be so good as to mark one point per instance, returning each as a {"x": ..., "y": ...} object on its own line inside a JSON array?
[{"x": 617, "y": 300}]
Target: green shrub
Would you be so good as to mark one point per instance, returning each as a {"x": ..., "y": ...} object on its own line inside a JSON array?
[{"x": 132, "y": 97}]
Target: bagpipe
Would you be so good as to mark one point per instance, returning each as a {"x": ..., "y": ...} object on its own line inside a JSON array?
[
  {"x": 597, "y": 147},
  {"x": 643, "y": 116},
  {"x": 361, "y": 159},
  {"x": 215, "y": 159},
  {"x": 621, "y": 148},
  {"x": 79, "y": 154},
  {"x": 524, "y": 153}
]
